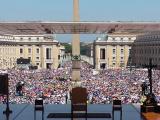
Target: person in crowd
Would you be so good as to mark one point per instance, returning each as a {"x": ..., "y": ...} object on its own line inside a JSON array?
[{"x": 101, "y": 87}]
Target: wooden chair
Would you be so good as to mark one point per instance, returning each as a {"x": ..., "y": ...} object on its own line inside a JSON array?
[
  {"x": 39, "y": 107},
  {"x": 117, "y": 106},
  {"x": 78, "y": 101}
]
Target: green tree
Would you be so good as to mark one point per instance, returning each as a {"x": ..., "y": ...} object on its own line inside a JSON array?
[
  {"x": 68, "y": 47},
  {"x": 84, "y": 50}
]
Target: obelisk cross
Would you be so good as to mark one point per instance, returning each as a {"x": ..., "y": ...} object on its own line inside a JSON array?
[{"x": 150, "y": 67}]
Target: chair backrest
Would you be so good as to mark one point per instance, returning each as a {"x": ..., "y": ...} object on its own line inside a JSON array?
[
  {"x": 79, "y": 95},
  {"x": 117, "y": 106},
  {"x": 117, "y": 102},
  {"x": 39, "y": 102}
]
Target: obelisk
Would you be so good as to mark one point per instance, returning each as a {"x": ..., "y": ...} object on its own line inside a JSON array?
[{"x": 76, "y": 60}]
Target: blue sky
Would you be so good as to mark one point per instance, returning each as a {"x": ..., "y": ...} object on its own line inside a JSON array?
[{"x": 90, "y": 10}]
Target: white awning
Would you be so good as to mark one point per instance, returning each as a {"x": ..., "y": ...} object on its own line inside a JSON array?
[{"x": 77, "y": 27}]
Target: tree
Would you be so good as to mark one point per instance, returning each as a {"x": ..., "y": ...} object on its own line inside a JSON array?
[
  {"x": 68, "y": 47},
  {"x": 84, "y": 50}
]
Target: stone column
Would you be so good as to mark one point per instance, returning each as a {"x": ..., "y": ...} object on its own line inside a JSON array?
[{"x": 76, "y": 61}]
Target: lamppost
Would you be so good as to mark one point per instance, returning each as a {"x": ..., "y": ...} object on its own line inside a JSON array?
[
  {"x": 150, "y": 102},
  {"x": 150, "y": 67}
]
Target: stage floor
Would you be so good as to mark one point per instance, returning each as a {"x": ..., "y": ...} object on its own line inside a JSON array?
[{"x": 26, "y": 111}]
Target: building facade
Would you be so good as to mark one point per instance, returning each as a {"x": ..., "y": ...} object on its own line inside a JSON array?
[
  {"x": 146, "y": 47},
  {"x": 112, "y": 51},
  {"x": 42, "y": 50}
]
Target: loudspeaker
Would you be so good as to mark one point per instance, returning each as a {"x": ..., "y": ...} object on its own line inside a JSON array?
[{"x": 4, "y": 84}]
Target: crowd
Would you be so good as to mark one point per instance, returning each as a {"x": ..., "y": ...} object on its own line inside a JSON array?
[{"x": 54, "y": 85}]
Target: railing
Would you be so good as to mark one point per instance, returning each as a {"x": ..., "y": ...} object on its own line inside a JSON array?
[
  {"x": 83, "y": 57},
  {"x": 87, "y": 59}
]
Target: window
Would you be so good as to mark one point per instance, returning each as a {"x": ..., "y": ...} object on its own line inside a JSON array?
[
  {"x": 129, "y": 51},
  {"x": 114, "y": 51},
  {"x": 122, "y": 51},
  {"x": 113, "y": 58},
  {"x": 48, "y": 53},
  {"x": 21, "y": 50},
  {"x": 37, "y": 38},
  {"x": 37, "y": 58},
  {"x": 21, "y": 39},
  {"x": 122, "y": 64},
  {"x": 48, "y": 65},
  {"x": 29, "y": 39},
  {"x": 29, "y": 50},
  {"x": 29, "y": 58},
  {"x": 156, "y": 51},
  {"x": 37, "y": 50},
  {"x": 102, "y": 53},
  {"x": 58, "y": 57},
  {"x": 37, "y": 64},
  {"x": 121, "y": 58},
  {"x": 102, "y": 65}
]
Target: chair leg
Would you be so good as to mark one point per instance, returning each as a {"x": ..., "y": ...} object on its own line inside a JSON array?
[
  {"x": 34, "y": 115},
  {"x": 112, "y": 114},
  {"x": 72, "y": 116},
  {"x": 71, "y": 113},
  {"x": 121, "y": 114},
  {"x": 86, "y": 114},
  {"x": 42, "y": 115}
]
